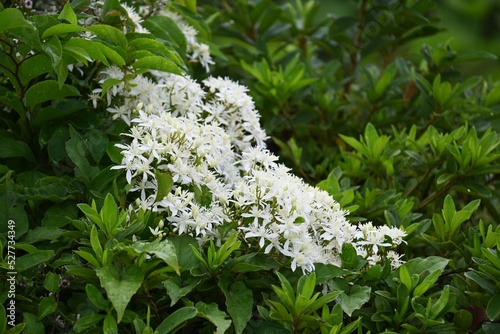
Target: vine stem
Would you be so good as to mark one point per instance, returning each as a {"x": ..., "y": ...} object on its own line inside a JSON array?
[{"x": 433, "y": 196}]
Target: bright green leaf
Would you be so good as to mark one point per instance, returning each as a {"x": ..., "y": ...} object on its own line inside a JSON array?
[{"x": 120, "y": 286}]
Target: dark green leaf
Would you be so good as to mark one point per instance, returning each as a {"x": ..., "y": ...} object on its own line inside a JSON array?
[
  {"x": 10, "y": 148},
  {"x": 120, "y": 286},
  {"x": 239, "y": 302},
  {"x": 51, "y": 282},
  {"x": 47, "y": 306},
  {"x": 12, "y": 209},
  {"x": 87, "y": 321},
  {"x": 33, "y": 259},
  {"x": 212, "y": 313},
  {"x": 48, "y": 90},
  {"x": 177, "y": 319},
  {"x": 96, "y": 297}
]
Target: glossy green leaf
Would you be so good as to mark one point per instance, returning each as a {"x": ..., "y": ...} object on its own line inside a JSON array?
[
  {"x": 12, "y": 18},
  {"x": 92, "y": 48},
  {"x": 110, "y": 34},
  {"x": 157, "y": 63},
  {"x": 355, "y": 299},
  {"x": 48, "y": 90},
  {"x": 62, "y": 28},
  {"x": 493, "y": 308}
]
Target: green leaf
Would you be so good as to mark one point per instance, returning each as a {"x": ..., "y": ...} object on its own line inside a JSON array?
[
  {"x": 165, "y": 184},
  {"x": 111, "y": 35},
  {"x": 176, "y": 290},
  {"x": 12, "y": 209},
  {"x": 96, "y": 297},
  {"x": 306, "y": 284},
  {"x": 110, "y": 325},
  {"x": 42, "y": 234},
  {"x": 48, "y": 90},
  {"x": 109, "y": 214},
  {"x": 157, "y": 48},
  {"x": 92, "y": 48},
  {"x": 428, "y": 264},
  {"x": 96, "y": 244},
  {"x": 87, "y": 321},
  {"x": 47, "y": 306},
  {"x": 68, "y": 14},
  {"x": 239, "y": 303},
  {"x": 77, "y": 149},
  {"x": 52, "y": 188},
  {"x": 356, "y": 298},
  {"x": 33, "y": 259},
  {"x": 493, "y": 308},
  {"x": 62, "y": 28},
  {"x": 88, "y": 257},
  {"x": 212, "y": 313},
  {"x": 473, "y": 56},
  {"x": 404, "y": 276},
  {"x": 12, "y": 18},
  {"x": 32, "y": 324},
  {"x": 166, "y": 29},
  {"x": 110, "y": 54},
  {"x": 445, "y": 302},
  {"x": 157, "y": 63},
  {"x": 348, "y": 255},
  {"x": 163, "y": 249},
  {"x": 120, "y": 286},
  {"x": 51, "y": 282},
  {"x": 427, "y": 283},
  {"x": 53, "y": 49},
  {"x": 177, "y": 319},
  {"x": 463, "y": 319},
  {"x": 10, "y": 148},
  {"x": 34, "y": 66}
]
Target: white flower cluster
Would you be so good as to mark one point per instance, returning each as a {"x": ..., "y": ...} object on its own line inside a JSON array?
[
  {"x": 197, "y": 52},
  {"x": 207, "y": 140}
]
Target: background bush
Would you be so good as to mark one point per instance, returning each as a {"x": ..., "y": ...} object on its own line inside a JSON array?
[{"x": 369, "y": 100}]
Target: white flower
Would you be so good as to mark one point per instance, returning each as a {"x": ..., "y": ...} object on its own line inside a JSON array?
[{"x": 95, "y": 97}]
